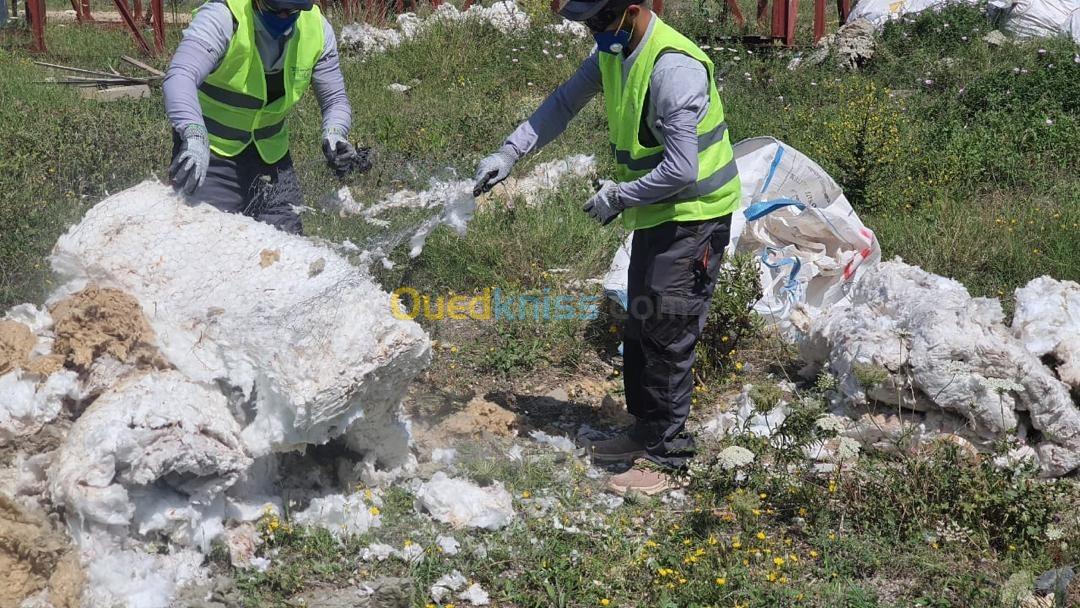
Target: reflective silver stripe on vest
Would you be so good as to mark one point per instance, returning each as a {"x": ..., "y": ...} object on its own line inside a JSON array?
[
  {"x": 217, "y": 129},
  {"x": 270, "y": 131},
  {"x": 705, "y": 141},
  {"x": 230, "y": 98},
  {"x": 226, "y": 132},
  {"x": 706, "y": 186}
]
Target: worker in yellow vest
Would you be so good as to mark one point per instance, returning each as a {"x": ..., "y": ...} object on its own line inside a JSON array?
[
  {"x": 677, "y": 186},
  {"x": 239, "y": 69}
]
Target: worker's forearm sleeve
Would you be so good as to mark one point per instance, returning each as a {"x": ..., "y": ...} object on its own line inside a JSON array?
[
  {"x": 551, "y": 118},
  {"x": 679, "y": 90},
  {"x": 189, "y": 68},
  {"x": 329, "y": 85},
  {"x": 199, "y": 52}
]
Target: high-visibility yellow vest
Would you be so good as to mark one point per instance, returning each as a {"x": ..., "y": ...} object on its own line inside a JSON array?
[
  {"x": 234, "y": 97},
  {"x": 717, "y": 191}
]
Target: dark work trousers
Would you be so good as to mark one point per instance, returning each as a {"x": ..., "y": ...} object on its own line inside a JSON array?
[
  {"x": 246, "y": 184},
  {"x": 673, "y": 270}
]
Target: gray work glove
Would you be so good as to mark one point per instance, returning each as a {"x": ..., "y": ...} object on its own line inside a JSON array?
[
  {"x": 494, "y": 169},
  {"x": 340, "y": 154},
  {"x": 605, "y": 205},
  {"x": 188, "y": 169}
]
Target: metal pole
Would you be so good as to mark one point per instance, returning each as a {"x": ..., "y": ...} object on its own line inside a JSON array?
[
  {"x": 121, "y": 6},
  {"x": 157, "y": 13},
  {"x": 819, "y": 19},
  {"x": 35, "y": 12},
  {"x": 792, "y": 18}
]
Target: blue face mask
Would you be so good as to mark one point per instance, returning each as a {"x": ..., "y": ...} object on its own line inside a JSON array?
[
  {"x": 276, "y": 26},
  {"x": 612, "y": 42}
]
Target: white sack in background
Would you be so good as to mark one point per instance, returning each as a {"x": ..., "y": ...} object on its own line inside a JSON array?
[{"x": 1039, "y": 18}]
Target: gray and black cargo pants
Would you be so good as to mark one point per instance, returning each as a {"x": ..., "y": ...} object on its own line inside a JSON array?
[
  {"x": 246, "y": 184},
  {"x": 673, "y": 270}
]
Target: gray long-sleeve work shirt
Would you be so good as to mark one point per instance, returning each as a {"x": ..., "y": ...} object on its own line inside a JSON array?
[
  {"x": 203, "y": 46},
  {"x": 678, "y": 101}
]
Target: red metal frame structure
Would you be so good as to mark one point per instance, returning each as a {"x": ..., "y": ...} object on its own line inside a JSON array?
[
  {"x": 35, "y": 11},
  {"x": 785, "y": 15}
]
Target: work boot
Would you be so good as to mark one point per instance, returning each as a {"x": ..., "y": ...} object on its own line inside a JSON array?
[
  {"x": 621, "y": 448},
  {"x": 645, "y": 477}
]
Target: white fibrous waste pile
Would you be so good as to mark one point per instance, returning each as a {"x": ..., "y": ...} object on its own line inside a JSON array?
[
  {"x": 185, "y": 352},
  {"x": 505, "y": 16},
  {"x": 1047, "y": 322},
  {"x": 463, "y": 504},
  {"x": 919, "y": 341}
]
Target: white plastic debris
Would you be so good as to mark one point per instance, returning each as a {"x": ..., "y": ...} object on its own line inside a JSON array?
[
  {"x": 515, "y": 453},
  {"x": 475, "y": 595},
  {"x": 560, "y": 442},
  {"x": 233, "y": 300},
  {"x": 448, "y": 544},
  {"x": 341, "y": 515},
  {"x": 154, "y": 454},
  {"x": 810, "y": 244},
  {"x": 1047, "y": 322},
  {"x": 918, "y": 340},
  {"x": 446, "y": 585},
  {"x": 397, "y": 87},
  {"x": 378, "y": 552},
  {"x": 461, "y": 503}
]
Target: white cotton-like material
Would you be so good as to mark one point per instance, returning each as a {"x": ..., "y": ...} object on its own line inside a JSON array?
[
  {"x": 285, "y": 322},
  {"x": 133, "y": 578},
  {"x": 377, "y": 551},
  {"x": 545, "y": 177},
  {"x": 445, "y": 456},
  {"x": 26, "y": 404},
  {"x": 446, "y": 585},
  {"x": 475, "y": 595},
  {"x": 341, "y": 515},
  {"x": 943, "y": 351},
  {"x": 561, "y": 443},
  {"x": 1047, "y": 321},
  {"x": 154, "y": 453},
  {"x": 448, "y": 544},
  {"x": 463, "y": 504},
  {"x": 745, "y": 418}
]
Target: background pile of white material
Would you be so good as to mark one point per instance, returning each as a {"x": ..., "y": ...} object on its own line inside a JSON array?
[
  {"x": 944, "y": 352},
  {"x": 505, "y": 16}
]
